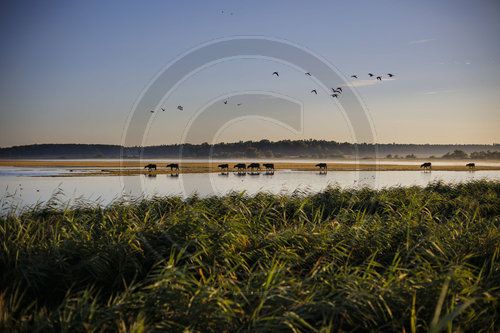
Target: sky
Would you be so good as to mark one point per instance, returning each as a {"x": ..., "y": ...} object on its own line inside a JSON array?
[{"x": 74, "y": 71}]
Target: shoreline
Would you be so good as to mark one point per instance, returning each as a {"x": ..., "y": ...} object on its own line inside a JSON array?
[{"x": 121, "y": 168}]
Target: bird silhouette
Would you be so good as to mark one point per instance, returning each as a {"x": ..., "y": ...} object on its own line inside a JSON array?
[
  {"x": 180, "y": 107},
  {"x": 152, "y": 111},
  {"x": 314, "y": 91},
  {"x": 238, "y": 104},
  {"x": 370, "y": 74},
  {"x": 276, "y": 73},
  {"x": 354, "y": 76},
  {"x": 339, "y": 89},
  {"x": 379, "y": 78},
  {"x": 390, "y": 75},
  {"x": 308, "y": 73},
  {"x": 163, "y": 109},
  {"x": 334, "y": 95},
  {"x": 225, "y": 102}
]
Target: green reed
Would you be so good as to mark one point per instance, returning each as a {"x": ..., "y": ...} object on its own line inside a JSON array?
[{"x": 412, "y": 259}]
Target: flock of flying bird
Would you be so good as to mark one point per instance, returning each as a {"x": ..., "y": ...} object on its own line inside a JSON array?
[{"x": 336, "y": 92}]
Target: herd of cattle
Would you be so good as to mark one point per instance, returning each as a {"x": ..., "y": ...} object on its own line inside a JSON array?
[
  {"x": 428, "y": 165},
  {"x": 239, "y": 166},
  {"x": 270, "y": 166}
]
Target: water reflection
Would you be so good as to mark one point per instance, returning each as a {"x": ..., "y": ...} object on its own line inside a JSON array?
[{"x": 25, "y": 190}]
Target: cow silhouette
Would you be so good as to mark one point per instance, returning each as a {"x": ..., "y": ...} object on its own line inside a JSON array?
[
  {"x": 426, "y": 165},
  {"x": 240, "y": 166},
  {"x": 223, "y": 166},
  {"x": 268, "y": 166},
  {"x": 471, "y": 165},
  {"x": 254, "y": 166},
  {"x": 173, "y": 166},
  {"x": 321, "y": 165},
  {"x": 150, "y": 166}
]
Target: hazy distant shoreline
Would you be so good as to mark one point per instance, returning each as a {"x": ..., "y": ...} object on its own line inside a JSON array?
[{"x": 264, "y": 149}]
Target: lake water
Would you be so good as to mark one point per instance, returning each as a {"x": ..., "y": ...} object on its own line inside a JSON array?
[{"x": 19, "y": 188}]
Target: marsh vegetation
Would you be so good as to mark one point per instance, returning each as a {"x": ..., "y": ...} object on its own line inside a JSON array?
[{"x": 343, "y": 259}]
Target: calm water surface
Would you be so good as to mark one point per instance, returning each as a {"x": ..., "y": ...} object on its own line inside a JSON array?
[{"x": 19, "y": 188}]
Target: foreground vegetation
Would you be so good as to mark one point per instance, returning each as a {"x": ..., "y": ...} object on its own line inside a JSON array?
[{"x": 399, "y": 259}]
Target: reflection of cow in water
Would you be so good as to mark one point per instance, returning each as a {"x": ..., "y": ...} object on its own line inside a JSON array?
[
  {"x": 173, "y": 166},
  {"x": 321, "y": 165},
  {"x": 224, "y": 166},
  {"x": 470, "y": 165},
  {"x": 240, "y": 166},
  {"x": 268, "y": 166},
  {"x": 150, "y": 167},
  {"x": 254, "y": 166},
  {"x": 426, "y": 165}
]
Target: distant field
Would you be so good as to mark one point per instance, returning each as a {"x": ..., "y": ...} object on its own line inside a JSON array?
[
  {"x": 399, "y": 259},
  {"x": 128, "y": 167}
]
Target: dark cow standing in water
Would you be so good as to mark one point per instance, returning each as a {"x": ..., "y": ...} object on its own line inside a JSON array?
[
  {"x": 150, "y": 167},
  {"x": 471, "y": 165},
  {"x": 173, "y": 166},
  {"x": 240, "y": 166},
  {"x": 224, "y": 166},
  {"x": 268, "y": 166},
  {"x": 426, "y": 165},
  {"x": 321, "y": 165},
  {"x": 254, "y": 166}
]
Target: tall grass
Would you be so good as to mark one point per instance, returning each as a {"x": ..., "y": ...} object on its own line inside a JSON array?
[{"x": 398, "y": 259}]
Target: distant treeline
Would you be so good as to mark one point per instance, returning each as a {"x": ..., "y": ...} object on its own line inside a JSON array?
[
  {"x": 477, "y": 155},
  {"x": 251, "y": 149}
]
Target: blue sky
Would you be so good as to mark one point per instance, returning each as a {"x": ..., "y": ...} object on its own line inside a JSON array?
[{"x": 71, "y": 72}]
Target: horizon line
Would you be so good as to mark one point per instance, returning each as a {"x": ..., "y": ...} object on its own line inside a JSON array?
[{"x": 243, "y": 141}]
